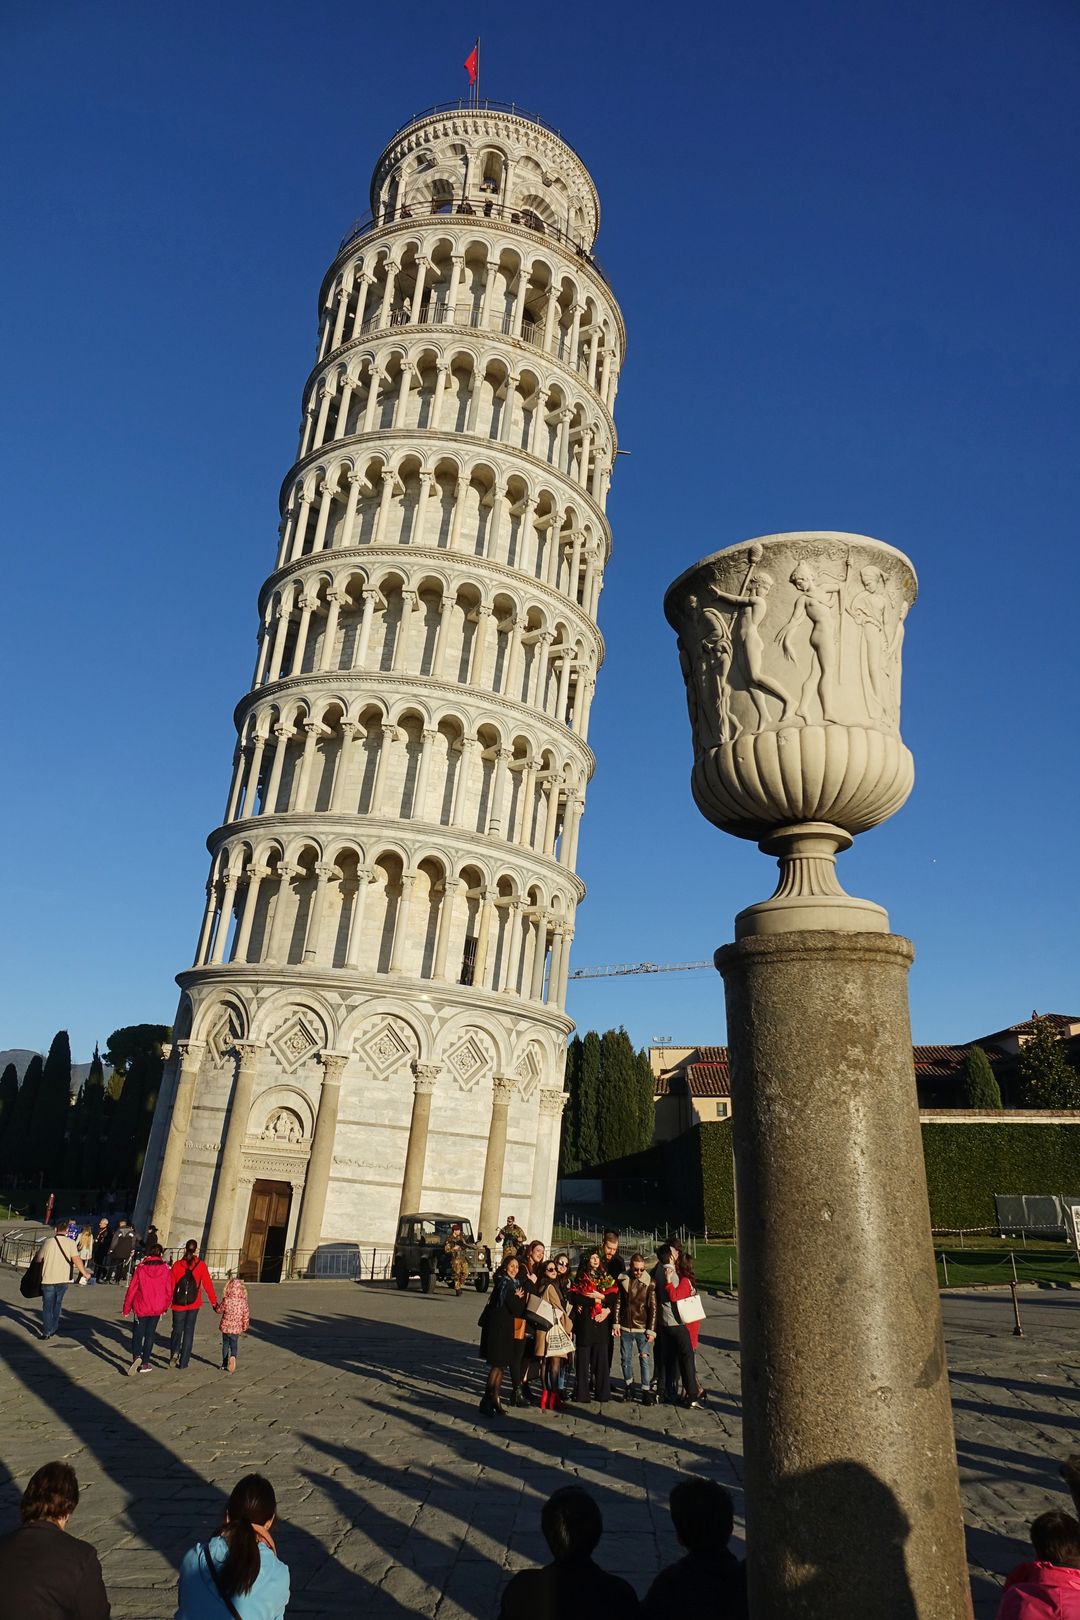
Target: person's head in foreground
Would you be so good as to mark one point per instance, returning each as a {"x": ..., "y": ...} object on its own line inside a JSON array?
[
  {"x": 52, "y": 1495},
  {"x": 702, "y": 1514},
  {"x": 249, "y": 1517},
  {"x": 1055, "y": 1537},
  {"x": 571, "y": 1522}
]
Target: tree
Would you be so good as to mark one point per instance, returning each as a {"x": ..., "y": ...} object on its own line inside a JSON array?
[
  {"x": 620, "y": 1105},
  {"x": 17, "y": 1142},
  {"x": 9, "y": 1096},
  {"x": 588, "y": 1112},
  {"x": 646, "y": 1100},
  {"x": 51, "y": 1109},
  {"x": 980, "y": 1088},
  {"x": 134, "y": 1052},
  {"x": 1047, "y": 1078},
  {"x": 93, "y": 1122},
  {"x": 569, "y": 1152}
]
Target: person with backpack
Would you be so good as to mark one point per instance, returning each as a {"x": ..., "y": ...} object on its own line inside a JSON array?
[
  {"x": 234, "y": 1319},
  {"x": 121, "y": 1250},
  {"x": 190, "y": 1280},
  {"x": 149, "y": 1295},
  {"x": 237, "y": 1572}
]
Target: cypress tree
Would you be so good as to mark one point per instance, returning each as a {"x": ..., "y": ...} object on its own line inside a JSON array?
[
  {"x": 9, "y": 1094},
  {"x": 569, "y": 1143},
  {"x": 589, "y": 1100},
  {"x": 138, "y": 1049},
  {"x": 51, "y": 1109},
  {"x": 73, "y": 1148},
  {"x": 1047, "y": 1078},
  {"x": 646, "y": 1086},
  {"x": 18, "y": 1141},
  {"x": 93, "y": 1108},
  {"x": 619, "y": 1112},
  {"x": 979, "y": 1087}
]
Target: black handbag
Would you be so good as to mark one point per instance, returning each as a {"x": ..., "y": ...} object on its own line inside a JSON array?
[{"x": 30, "y": 1281}]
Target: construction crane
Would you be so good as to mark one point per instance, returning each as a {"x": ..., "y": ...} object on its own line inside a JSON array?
[{"x": 620, "y": 970}]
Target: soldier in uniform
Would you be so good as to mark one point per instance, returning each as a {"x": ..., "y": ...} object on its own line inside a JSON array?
[
  {"x": 459, "y": 1260},
  {"x": 511, "y": 1237}
]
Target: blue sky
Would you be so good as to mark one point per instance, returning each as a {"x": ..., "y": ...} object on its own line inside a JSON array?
[{"x": 845, "y": 239}]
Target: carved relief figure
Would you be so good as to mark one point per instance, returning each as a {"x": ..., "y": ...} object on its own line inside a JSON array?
[
  {"x": 870, "y": 608},
  {"x": 748, "y": 647},
  {"x": 283, "y": 1126},
  {"x": 821, "y": 604}
]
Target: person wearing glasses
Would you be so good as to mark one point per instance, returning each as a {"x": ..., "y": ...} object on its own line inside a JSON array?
[
  {"x": 553, "y": 1344},
  {"x": 635, "y": 1329}
]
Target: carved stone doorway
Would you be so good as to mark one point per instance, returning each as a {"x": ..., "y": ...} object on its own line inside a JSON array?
[{"x": 264, "y": 1237}]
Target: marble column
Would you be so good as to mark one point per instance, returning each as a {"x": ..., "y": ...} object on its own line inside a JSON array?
[
  {"x": 219, "y": 1243},
  {"x": 545, "y": 1157},
  {"x": 317, "y": 1181},
  {"x": 425, "y": 1079},
  {"x": 502, "y": 1090},
  {"x": 191, "y": 1055}
]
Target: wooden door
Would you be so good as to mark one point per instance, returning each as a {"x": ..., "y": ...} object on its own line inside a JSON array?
[{"x": 267, "y": 1227}]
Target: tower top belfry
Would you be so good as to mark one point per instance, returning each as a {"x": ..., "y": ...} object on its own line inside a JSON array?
[
  {"x": 375, "y": 1016},
  {"x": 506, "y": 161}
]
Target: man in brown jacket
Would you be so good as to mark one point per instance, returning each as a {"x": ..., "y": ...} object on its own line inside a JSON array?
[{"x": 635, "y": 1328}]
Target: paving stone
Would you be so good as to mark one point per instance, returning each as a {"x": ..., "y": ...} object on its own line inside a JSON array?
[{"x": 398, "y": 1497}]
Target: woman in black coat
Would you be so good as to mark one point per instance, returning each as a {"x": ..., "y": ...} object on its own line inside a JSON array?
[
  {"x": 500, "y": 1345},
  {"x": 593, "y": 1296}
]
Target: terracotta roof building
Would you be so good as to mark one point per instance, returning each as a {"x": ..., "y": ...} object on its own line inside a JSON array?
[{"x": 693, "y": 1084}]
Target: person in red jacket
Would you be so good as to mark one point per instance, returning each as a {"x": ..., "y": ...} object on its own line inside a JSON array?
[
  {"x": 190, "y": 1279},
  {"x": 1048, "y": 1588},
  {"x": 149, "y": 1295}
]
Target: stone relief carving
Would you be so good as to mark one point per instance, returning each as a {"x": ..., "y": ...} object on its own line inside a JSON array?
[
  {"x": 790, "y": 648},
  {"x": 283, "y": 1126}
]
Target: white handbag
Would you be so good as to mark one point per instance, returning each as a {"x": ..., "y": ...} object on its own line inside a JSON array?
[{"x": 691, "y": 1309}]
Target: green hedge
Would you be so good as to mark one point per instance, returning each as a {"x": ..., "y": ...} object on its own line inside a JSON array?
[{"x": 966, "y": 1164}]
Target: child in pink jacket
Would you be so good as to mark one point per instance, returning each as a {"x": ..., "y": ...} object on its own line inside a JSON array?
[
  {"x": 1049, "y": 1587},
  {"x": 148, "y": 1297},
  {"x": 235, "y": 1320}
]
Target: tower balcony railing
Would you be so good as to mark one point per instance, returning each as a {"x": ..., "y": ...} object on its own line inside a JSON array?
[
  {"x": 480, "y": 208},
  {"x": 463, "y": 104},
  {"x": 437, "y": 312}
]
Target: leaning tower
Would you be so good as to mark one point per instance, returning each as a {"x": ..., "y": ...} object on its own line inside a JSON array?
[{"x": 374, "y": 1022}]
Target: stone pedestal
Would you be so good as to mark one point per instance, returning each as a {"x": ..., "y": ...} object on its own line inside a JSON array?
[{"x": 852, "y": 1498}]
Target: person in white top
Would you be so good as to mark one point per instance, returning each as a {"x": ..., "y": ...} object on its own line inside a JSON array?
[{"x": 59, "y": 1256}]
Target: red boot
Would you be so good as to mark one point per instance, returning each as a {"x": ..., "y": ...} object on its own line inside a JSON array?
[{"x": 545, "y": 1400}]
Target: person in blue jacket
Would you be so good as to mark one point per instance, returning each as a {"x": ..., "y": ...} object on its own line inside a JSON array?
[{"x": 237, "y": 1572}]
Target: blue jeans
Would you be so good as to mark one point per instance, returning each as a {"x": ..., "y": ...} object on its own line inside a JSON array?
[
  {"x": 183, "y": 1335},
  {"x": 52, "y": 1297},
  {"x": 629, "y": 1344},
  {"x": 229, "y": 1343},
  {"x": 142, "y": 1338}
]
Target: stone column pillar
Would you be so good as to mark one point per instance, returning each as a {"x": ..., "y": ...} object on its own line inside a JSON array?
[
  {"x": 502, "y": 1089},
  {"x": 460, "y": 809},
  {"x": 558, "y": 951},
  {"x": 539, "y": 961},
  {"x": 348, "y": 523},
  {"x": 425, "y": 1079},
  {"x": 512, "y": 953},
  {"x": 243, "y": 936},
  {"x": 282, "y": 735},
  {"x": 479, "y": 646},
  {"x": 337, "y": 600},
  {"x": 375, "y": 376},
  {"x": 422, "y": 268},
  {"x": 442, "y": 638},
  {"x": 457, "y": 264},
  {"x": 208, "y": 923},
  {"x": 550, "y": 824},
  {"x": 569, "y": 829},
  {"x": 363, "y": 641},
  {"x": 258, "y": 744},
  {"x": 850, "y": 1462},
  {"x": 219, "y": 1241},
  {"x": 461, "y": 490},
  {"x": 339, "y": 324},
  {"x": 191, "y": 1055},
  {"x": 320, "y": 425},
  {"x": 365, "y": 878},
  {"x": 425, "y": 481},
  {"x": 303, "y": 515},
  {"x": 308, "y": 604},
  {"x": 450, "y": 886},
  {"x": 387, "y": 293},
  {"x": 401, "y": 647},
  {"x": 314, "y": 732},
  {"x": 401, "y": 921},
  {"x": 347, "y": 386},
  {"x": 389, "y": 479},
  {"x": 545, "y": 1157},
  {"x": 317, "y": 1181},
  {"x": 442, "y": 372},
  {"x": 498, "y": 792},
  {"x": 390, "y": 736},
  {"x": 364, "y": 283},
  {"x": 275, "y": 942},
  {"x": 401, "y": 404},
  {"x": 323, "y": 874},
  {"x": 284, "y": 614},
  {"x": 423, "y": 776},
  {"x": 228, "y": 891},
  {"x": 564, "y": 965},
  {"x": 483, "y": 934},
  {"x": 528, "y": 805}
]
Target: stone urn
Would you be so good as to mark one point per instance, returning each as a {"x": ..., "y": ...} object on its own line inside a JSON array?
[{"x": 790, "y": 647}]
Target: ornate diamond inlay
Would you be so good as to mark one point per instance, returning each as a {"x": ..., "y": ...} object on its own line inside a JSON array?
[
  {"x": 294, "y": 1042},
  {"x": 386, "y": 1048},
  {"x": 223, "y": 1034},
  {"x": 468, "y": 1062}
]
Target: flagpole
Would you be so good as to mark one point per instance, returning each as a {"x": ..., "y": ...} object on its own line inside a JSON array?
[{"x": 477, "y": 85}]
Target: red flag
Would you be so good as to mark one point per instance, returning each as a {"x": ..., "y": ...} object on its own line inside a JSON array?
[{"x": 472, "y": 62}]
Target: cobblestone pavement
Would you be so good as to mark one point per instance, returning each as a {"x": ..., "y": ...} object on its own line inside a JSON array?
[{"x": 396, "y": 1496}]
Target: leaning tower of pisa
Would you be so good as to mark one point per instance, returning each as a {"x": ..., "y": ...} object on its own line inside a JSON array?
[{"x": 374, "y": 1022}]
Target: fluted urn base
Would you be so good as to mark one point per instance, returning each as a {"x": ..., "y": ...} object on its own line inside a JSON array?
[{"x": 808, "y": 894}]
